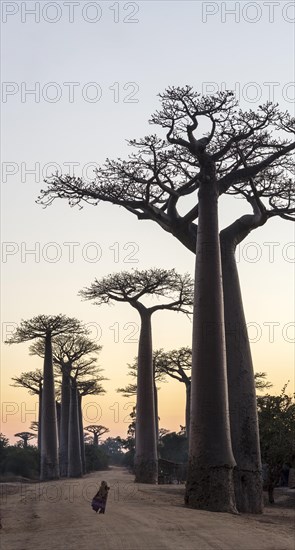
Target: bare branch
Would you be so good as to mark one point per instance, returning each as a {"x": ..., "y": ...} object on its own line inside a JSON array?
[{"x": 131, "y": 286}]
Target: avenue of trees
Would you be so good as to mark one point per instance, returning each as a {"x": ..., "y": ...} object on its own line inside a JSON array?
[
  {"x": 207, "y": 148},
  {"x": 63, "y": 343},
  {"x": 135, "y": 288},
  {"x": 75, "y": 359},
  {"x": 247, "y": 154},
  {"x": 276, "y": 415},
  {"x": 19, "y": 461},
  {"x": 70, "y": 372}
]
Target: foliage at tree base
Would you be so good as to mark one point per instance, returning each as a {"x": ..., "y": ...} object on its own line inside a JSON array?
[
  {"x": 128, "y": 461},
  {"x": 174, "y": 446},
  {"x": 96, "y": 458},
  {"x": 17, "y": 461},
  {"x": 112, "y": 447},
  {"x": 171, "y": 472},
  {"x": 276, "y": 414}
]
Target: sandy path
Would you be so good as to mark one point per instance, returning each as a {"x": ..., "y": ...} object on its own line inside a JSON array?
[{"x": 58, "y": 515}]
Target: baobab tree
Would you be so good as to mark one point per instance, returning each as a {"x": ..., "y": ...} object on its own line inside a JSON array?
[
  {"x": 91, "y": 386},
  {"x": 97, "y": 431},
  {"x": 249, "y": 155},
  {"x": 235, "y": 149},
  {"x": 177, "y": 364},
  {"x": 47, "y": 327},
  {"x": 75, "y": 357},
  {"x": 32, "y": 381},
  {"x": 84, "y": 367},
  {"x": 75, "y": 467},
  {"x": 58, "y": 419},
  {"x": 158, "y": 376},
  {"x": 25, "y": 437},
  {"x": 132, "y": 287}
]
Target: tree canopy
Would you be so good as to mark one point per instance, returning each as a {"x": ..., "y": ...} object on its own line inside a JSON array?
[
  {"x": 131, "y": 286},
  {"x": 251, "y": 151},
  {"x": 41, "y": 325},
  {"x": 32, "y": 380},
  {"x": 25, "y": 436},
  {"x": 177, "y": 364},
  {"x": 77, "y": 355}
]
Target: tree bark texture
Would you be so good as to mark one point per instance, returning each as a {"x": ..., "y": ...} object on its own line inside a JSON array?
[
  {"x": 64, "y": 424},
  {"x": 82, "y": 443},
  {"x": 241, "y": 392},
  {"x": 187, "y": 408},
  {"x": 210, "y": 483},
  {"x": 146, "y": 460},
  {"x": 49, "y": 444},
  {"x": 39, "y": 419},
  {"x": 58, "y": 418},
  {"x": 74, "y": 457}
]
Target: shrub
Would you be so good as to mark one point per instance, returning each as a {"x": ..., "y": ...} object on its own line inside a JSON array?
[
  {"x": 96, "y": 458},
  {"x": 20, "y": 462},
  {"x": 174, "y": 446}
]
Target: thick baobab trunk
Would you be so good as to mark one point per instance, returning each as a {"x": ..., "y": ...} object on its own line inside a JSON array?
[
  {"x": 156, "y": 412},
  {"x": 74, "y": 457},
  {"x": 95, "y": 439},
  {"x": 146, "y": 462},
  {"x": 241, "y": 391},
  {"x": 39, "y": 419},
  {"x": 64, "y": 423},
  {"x": 49, "y": 453},
  {"x": 210, "y": 483},
  {"x": 156, "y": 404},
  {"x": 187, "y": 408},
  {"x": 81, "y": 430},
  {"x": 25, "y": 440},
  {"x": 58, "y": 417}
]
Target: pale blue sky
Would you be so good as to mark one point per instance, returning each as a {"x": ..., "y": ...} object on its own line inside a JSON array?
[{"x": 170, "y": 44}]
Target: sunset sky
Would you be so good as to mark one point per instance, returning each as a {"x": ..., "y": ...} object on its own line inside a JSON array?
[{"x": 96, "y": 78}]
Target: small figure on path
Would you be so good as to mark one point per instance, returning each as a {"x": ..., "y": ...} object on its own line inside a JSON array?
[{"x": 99, "y": 501}]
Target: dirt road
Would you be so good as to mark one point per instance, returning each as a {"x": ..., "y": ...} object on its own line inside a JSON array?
[{"x": 58, "y": 516}]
